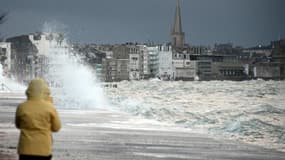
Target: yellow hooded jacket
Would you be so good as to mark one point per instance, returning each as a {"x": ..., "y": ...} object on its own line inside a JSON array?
[{"x": 37, "y": 118}]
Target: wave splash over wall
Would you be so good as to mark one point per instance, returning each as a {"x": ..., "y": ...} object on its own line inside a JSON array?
[{"x": 74, "y": 84}]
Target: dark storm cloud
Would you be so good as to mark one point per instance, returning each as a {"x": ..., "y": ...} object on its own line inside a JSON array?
[{"x": 242, "y": 22}]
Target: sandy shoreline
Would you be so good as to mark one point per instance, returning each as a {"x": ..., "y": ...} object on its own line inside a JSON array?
[{"x": 110, "y": 135}]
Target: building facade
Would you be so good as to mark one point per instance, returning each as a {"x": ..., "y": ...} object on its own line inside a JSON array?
[
  {"x": 135, "y": 66},
  {"x": 153, "y": 54},
  {"x": 5, "y": 57},
  {"x": 117, "y": 67},
  {"x": 29, "y": 54},
  {"x": 267, "y": 71},
  {"x": 22, "y": 55},
  {"x": 166, "y": 70},
  {"x": 109, "y": 69}
]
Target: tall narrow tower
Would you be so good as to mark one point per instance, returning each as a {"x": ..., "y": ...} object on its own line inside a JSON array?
[{"x": 177, "y": 34}]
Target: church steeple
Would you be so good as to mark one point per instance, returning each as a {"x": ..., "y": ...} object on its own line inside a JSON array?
[{"x": 177, "y": 34}]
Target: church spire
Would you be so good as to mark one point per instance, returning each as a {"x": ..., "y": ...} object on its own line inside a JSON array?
[
  {"x": 177, "y": 34},
  {"x": 177, "y": 28}
]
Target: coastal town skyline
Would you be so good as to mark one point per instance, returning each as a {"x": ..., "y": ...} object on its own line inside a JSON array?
[
  {"x": 134, "y": 61},
  {"x": 204, "y": 23}
]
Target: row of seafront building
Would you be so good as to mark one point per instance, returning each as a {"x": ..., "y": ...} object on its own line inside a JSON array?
[
  {"x": 25, "y": 57},
  {"x": 222, "y": 62}
]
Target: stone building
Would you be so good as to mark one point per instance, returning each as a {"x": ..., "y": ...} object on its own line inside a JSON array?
[
  {"x": 267, "y": 70},
  {"x": 109, "y": 69},
  {"x": 259, "y": 51},
  {"x": 136, "y": 65},
  {"x": 29, "y": 54},
  {"x": 116, "y": 68},
  {"x": 23, "y": 52},
  {"x": 146, "y": 70},
  {"x": 218, "y": 67},
  {"x": 278, "y": 51},
  {"x": 121, "y": 51},
  {"x": 122, "y": 69},
  {"x": 229, "y": 71},
  {"x": 278, "y": 56},
  {"x": 271, "y": 66},
  {"x": 184, "y": 67}
]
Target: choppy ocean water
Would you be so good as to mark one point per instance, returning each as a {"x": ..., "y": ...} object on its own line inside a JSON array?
[{"x": 248, "y": 111}]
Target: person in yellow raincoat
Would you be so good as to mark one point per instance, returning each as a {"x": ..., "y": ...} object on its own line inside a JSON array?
[{"x": 36, "y": 118}]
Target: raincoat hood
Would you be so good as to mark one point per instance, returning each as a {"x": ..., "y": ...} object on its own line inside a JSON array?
[{"x": 38, "y": 89}]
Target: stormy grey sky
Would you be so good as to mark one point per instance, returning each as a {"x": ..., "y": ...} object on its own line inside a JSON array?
[{"x": 205, "y": 22}]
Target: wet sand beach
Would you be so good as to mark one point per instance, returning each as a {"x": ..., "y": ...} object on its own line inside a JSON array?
[{"x": 110, "y": 135}]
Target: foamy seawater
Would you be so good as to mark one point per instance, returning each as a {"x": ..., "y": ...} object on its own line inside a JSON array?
[
  {"x": 249, "y": 111},
  {"x": 9, "y": 85}
]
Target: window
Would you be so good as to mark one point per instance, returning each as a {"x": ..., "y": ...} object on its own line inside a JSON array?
[
  {"x": 37, "y": 37},
  {"x": 4, "y": 50}
]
